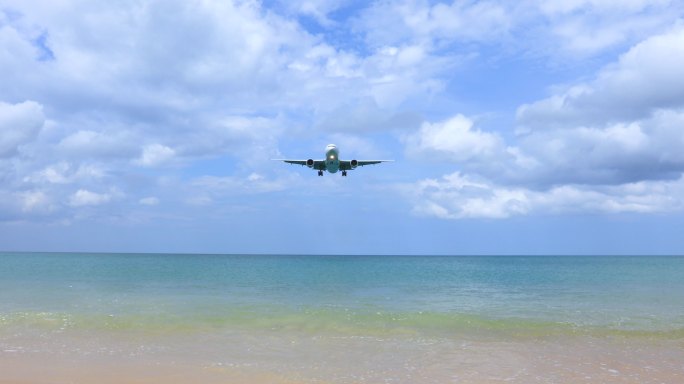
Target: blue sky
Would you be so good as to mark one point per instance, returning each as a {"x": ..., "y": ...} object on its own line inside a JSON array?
[{"x": 526, "y": 127}]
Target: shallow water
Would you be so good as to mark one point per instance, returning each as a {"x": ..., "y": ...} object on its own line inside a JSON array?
[{"x": 419, "y": 293}]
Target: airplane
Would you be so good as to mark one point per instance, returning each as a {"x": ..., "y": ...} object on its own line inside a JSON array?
[{"x": 332, "y": 162}]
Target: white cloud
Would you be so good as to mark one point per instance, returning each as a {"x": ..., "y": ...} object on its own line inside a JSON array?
[
  {"x": 19, "y": 124},
  {"x": 571, "y": 30},
  {"x": 455, "y": 20},
  {"x": 116, "y": 83},
  {"x": 587, "y": 27},
  {"x": 199, "y": 200},
  {"x": 316, "y": 9},
  {"x": 458, "y": 196},
  {"x": 150, "y": 201},
  {"x": 611, "y": 145},
  {"x": 616, "y": 154},
  {"x": 117, "y": 66},
  {"x": 126, "y": 44},
  {"x": 650, "y": 76},
  {"x": 386, "y": 77},
  {"x": 65, "y": 173},
  {"x": 116, "y": 79},
  {"x": 605, "y": 171},
  {"x": 394, "y": 22},
  {"x": 96, "y": 144},
  {"x": 83, "y": 197},
  {"x": 155, "y": 154},
  {"x": 395, "y": 74},
  {"x": 365, "y": 115},
  {"x": 648, "y": 149},
  {"x": 570, "y": 6},
  {"x": 624, "y": 126},
  {"x": 32, "y": 201},
  {"x": 455, "y": 140},
  {"x": 253, "y": 177}
]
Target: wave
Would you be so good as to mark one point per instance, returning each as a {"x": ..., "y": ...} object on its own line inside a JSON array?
[{"x": 323, "y": 321}]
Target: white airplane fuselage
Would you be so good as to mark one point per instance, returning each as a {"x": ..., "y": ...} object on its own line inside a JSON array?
[{"x": 332, "y": 158}]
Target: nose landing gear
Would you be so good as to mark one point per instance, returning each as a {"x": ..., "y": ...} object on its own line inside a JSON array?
[
  {"x": 344, "y": 173},
  {"x": 320, "y": 173}
]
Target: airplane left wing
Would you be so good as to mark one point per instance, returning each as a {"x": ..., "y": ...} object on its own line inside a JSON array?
[
  {"x": 317, "y": 164},
  {"x": 346, "y": 165}
]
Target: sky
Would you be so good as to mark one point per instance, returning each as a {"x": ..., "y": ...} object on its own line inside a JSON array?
[{"x": 517, "y": 127}]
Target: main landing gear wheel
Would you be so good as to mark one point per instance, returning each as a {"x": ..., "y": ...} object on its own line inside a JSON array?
[
  {"x": 344, "y": 173},
  {"x": 320, "y": 173}
]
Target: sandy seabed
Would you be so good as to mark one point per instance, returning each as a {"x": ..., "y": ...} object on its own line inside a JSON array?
[{"x": 295, "y": 358}]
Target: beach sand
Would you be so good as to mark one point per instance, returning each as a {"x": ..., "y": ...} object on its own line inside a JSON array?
[{"x": 315, "y": 358}]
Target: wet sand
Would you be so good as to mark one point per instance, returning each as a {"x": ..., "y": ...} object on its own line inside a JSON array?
[{"x": 316, "y": 358}]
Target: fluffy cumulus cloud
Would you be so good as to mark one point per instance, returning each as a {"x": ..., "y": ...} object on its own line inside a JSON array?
[
  {"x": 646, "y": 78},
  {"x": 610, "y": 145},
  {"x": 624, "y": 126},
  {"x": 457, "y": 196},
  {"x": 456, "y": 140}
]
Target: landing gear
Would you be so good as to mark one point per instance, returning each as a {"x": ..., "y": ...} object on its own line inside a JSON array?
[
  {"x": 320, "y": 173},
  {"x": 344, "y": 173}
]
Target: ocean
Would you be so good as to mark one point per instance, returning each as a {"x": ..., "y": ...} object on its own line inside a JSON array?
[{"x": 347, "y": 319}]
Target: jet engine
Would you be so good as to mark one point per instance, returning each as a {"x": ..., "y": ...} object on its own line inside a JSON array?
[
  {"x": 310, "y": 163},
  {"x": 353, "y": 163}
]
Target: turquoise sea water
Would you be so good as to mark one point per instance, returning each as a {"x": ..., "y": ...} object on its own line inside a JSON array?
[{"x": 519, "y": 296}]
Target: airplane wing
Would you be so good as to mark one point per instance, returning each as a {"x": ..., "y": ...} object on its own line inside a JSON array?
[
  {"x": 317, "y": 164},
  {"x": 345, "y": 165}
]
